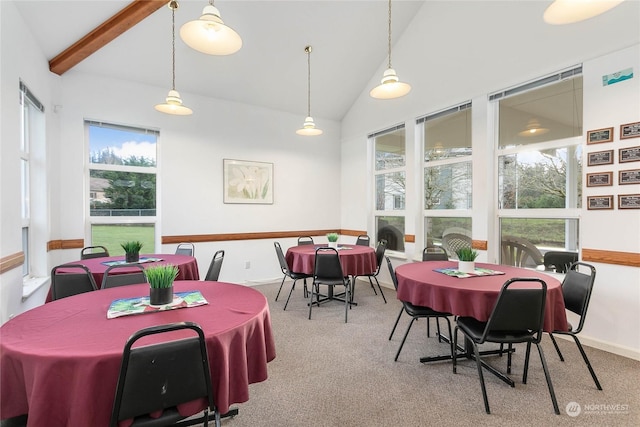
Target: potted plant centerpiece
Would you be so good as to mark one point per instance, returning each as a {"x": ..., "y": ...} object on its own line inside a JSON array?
[
  {"x": 132, "y": 250},
  {"x": 333, "y": 240},
  {"x": 466, "y": 259},
  {"x": 160, "y": 278}
]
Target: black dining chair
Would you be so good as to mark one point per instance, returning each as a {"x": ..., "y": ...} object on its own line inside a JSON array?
[
  {"x": 112, "y": 278},
  {"x": 517, "y": 317},
  {"x": 380, "y": 250},
  {"x": 159, "y": 377},
  {"x": 213, "y": 273},
  {"x": 305, "y": 240},
  {"x": 186, "y": 249},
  {"x": 363, "y": 240},
  {"x": 576, "y": 291},
  {"x": 328, "y": 271},
  {"x": 66, "y": 284},
  {"x": 94, "y": 252},
  {"x": 434, "y": 253},
  {"x": 284, "y": 267}
]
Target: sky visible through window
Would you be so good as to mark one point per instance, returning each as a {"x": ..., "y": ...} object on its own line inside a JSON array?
[{"x": 123, "y": 143}]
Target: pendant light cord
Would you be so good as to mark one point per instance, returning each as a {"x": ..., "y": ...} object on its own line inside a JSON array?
[
  {"x": 389, "y": 40},
  {"x": 173, "y": 5},
  {"x": 308, "y": 50}
]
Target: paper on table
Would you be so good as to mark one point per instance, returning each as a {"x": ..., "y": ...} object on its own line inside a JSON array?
[
  {"x": 141, "y": 261},
  {"x": 477, "y": 272},
  {"x": 140, "y": 305}
]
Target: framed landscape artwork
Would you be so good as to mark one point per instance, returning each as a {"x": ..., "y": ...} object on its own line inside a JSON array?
[{"x": 248, "y": 182}]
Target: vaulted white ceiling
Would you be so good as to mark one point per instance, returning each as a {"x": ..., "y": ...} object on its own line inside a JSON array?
[{"x": 349, "y": 39}]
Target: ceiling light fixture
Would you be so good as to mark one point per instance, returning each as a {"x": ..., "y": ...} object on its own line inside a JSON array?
[
  {"x": 390, "y": 87},
  {"x": 173, "y": 102},
  {"x": 569, "y": 11},
  {"x": 309, "y": 127},
  {"x": 209, "y": 34},
  {"x": 533, "y": 129}
]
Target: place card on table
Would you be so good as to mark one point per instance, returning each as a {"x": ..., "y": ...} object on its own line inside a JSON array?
[
  {"x": 142, "y": 260},
  {"x": 476, "y": 273},
  {"x": 140, "y": 305}
]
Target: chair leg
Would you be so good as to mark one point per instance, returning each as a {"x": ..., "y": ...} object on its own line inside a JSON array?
[
  {"x": 413, "y": 319},
  {"x": 346, "y": 301},
  {"x": 509, "y": 352},
  {"x": 283, "y": 279},
  {"x": 450, "y": 336},
  {"x": 454, "y": 353},
  {"x": 396, "y": 324},
  {"x": 306, "y": 290},
  {"x": 429, "y": 327},
  {"x": 314, "y": 290},
  {"x": 586, "y": 360},
  {"x": 548, "y": 378},
  {"x": 372, "y": 287},
  {"x": 525, "y": 371},
  {"x": 555, "y": 344},
  {"x": 481, "y": 376},
  {"x": 290, "y": 292},
  {"x": 380, "y": 289}
]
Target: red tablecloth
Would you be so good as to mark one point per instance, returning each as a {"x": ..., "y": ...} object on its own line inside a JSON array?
[
  {"x": 473, "y": 296},
  {"x": 60, "y": 362},
  {"x": 356, "y": 260}
]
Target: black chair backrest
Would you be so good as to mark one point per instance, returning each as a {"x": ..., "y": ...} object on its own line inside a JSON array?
[
  {"x": 185, "y": 249},
  {"x": 434, "y": 253},
  {"x": 94, "y": 252},
  {"x": 216, "y": 265},
  {"x": 363, "y": 240},
  {"x": 281, "y": 259},
  {"x": 67, "y": 284},
  {"x": 518, "y": 309},
  {"x": 380, "y": 250},
  {"x": 112, "y": 278},
  {"x": 160, "y": 376},
  {"x": 327, "y": 265},
  {"x": 305, "y": 240},
  {"x": 392, "y": 273},
  {"x": 576, "y": 289}
]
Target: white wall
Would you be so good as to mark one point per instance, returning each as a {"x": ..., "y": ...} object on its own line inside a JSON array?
[{"x": 459, "y": 51}]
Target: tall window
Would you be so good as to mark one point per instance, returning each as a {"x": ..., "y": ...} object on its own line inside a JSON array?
[
  {"x": 539, "y": 161},
  {"x": 447, "y": 175},
  {"x": 32, "y": 135},
  {"x": 389, "y": 176},
  {"x": 122, "y": 185}
]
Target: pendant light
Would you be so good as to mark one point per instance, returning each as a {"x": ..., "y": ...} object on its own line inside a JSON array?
[
  {"x": 533, "y": 129},
  {"x": 390, "y": 87},
  {"x": 173, "y": 102},
  {"x": 309, "y": 127},
  {"x": 569, "y": 11},
  {"x": 209, "y": 34}
]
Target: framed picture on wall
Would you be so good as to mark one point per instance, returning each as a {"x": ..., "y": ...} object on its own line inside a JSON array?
[
  {"x": 600, "y": 135},
  {"x": 600, "y": 158},
  {"x": 631, "y": 176},
  {"x": 599, "y": 202},
  {"x": 247, "y": 182},
  {"x": 630, "y": 130},
  {"x": 600, "y": 179},
  {"x": 630, "y": 154},
  {"x": 629, "y": 201}
]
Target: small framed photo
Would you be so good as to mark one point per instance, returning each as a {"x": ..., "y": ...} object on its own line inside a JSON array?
[
  {"x": 247, "y": 182},
  {"x": 630, "y": 130},
  {"x": 600, "y": 179},
  {"x": 600, "y": 158},
  {"x": 629, "y": 201},
  {"x": 600, "y": 135},
  {"x": 630, "y": 154},
  {"x": 631, "y": 176},
  {"x": 599, "y": 202}
]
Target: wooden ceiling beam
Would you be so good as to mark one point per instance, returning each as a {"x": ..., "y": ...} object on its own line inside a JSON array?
[{"x": 109, "y": 30}]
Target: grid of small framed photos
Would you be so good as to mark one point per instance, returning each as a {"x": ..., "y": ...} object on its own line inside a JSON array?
[{"x": 628, "y": 154}]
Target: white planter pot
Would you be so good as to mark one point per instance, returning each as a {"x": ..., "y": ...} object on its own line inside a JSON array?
[
  {"x": 466, "y": 266},
  {"x": 333, "y": 245}
]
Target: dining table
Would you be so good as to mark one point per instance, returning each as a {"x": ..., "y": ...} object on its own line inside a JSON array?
[
  {"x": 356, "y": 260},
  {"x": 59, "y": 362},
  {"x": 430, "y": 284}
]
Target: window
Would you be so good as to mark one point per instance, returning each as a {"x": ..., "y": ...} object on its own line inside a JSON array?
[
  {"x": 122, "y": 186},
  {"x": 447, "y": 174},
  {"x": 32, "y": 140},
  {"x": 389, "y": 178},
  {"x": 539, "y": 164}
]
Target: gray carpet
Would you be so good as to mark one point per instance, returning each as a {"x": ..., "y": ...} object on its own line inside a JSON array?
[{"x": 328, "y": 373}]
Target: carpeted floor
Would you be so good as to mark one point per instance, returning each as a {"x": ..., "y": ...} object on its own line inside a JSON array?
[{"x": 328, "y": 373}]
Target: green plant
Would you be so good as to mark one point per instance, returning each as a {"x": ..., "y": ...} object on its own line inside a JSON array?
[
  {"x": 161, "y": 276},
  {"x": 467, "y": 254},
  {"x": 132, "y": 246},
  {"x": 332, "y": 237}
]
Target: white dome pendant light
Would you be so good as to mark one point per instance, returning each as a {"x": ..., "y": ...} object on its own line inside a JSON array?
[
  {"x": 309, "y": 127},
  {"x": 209, "y": 34}
]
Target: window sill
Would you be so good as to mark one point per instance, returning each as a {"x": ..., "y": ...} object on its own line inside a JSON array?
[{"x": 31, "y": 285}]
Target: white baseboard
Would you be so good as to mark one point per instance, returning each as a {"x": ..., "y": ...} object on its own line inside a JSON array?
[{"x": 631, "y": 353}]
